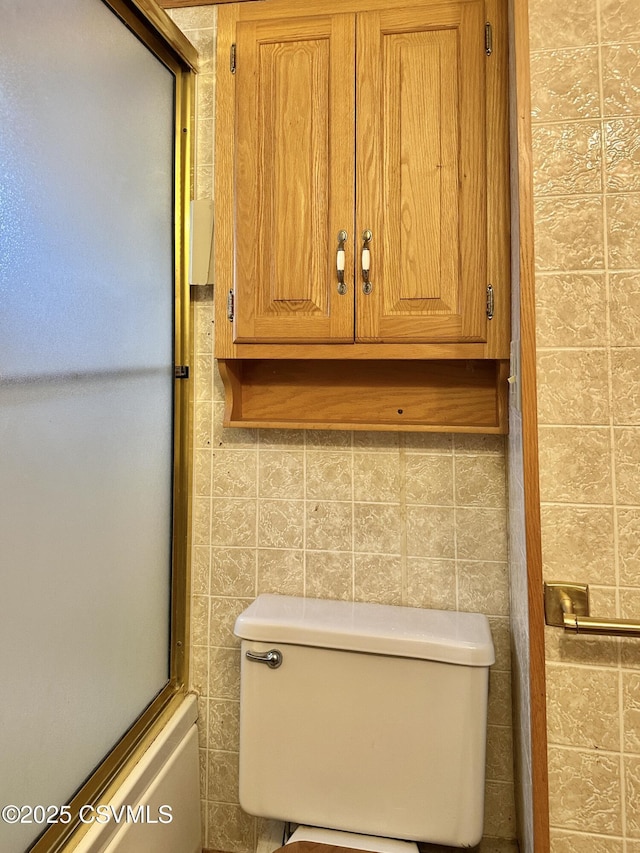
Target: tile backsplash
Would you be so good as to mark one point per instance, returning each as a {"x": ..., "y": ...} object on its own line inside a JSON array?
[{"x": 585, "y": 62}]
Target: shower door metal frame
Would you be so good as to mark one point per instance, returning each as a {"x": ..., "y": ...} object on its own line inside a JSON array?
[{"x": 158, "y": 33}]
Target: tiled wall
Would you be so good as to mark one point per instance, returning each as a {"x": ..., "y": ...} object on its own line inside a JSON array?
[
  {"x": 411, "y": 519},
  {"x": 585, "y": 64}
]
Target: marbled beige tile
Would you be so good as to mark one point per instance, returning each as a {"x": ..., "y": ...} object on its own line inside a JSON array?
[
  {"x": 203, "y": 321},
  {"x": 478, "y": 444},
  {"x": 573, "y": 387},
  {"x": 428, "y": 442},
  {"x": 629, "y": 546},
  {"x": 329, "y": 475},
  {"x": 632, "y": 794},
  {"x": 564, "y": 84},
  {"x": 429, "y": 479},
  {"x": 575, "y": 465},
  {"x": 627, "y": 461},
  {"x": 224, "y": 725},
  {"x": 631, "y": 711},
  {"x": 278, "y": 439},
  {"x": 281, "y": 474},
  {"x": 205, "y": 91},
  {"x": 500, "y": 698},
  {"x": 376, "y": 476},
  {"x": 567, "y": 158},
  {"x": 223, "y": 615},
  {"x": 376, "y": 528},
  {"x": 329, "y": 574},
  {"x": 219, "y": 392},
  {"x": 582, "y": 707},
  {"x": 622, "y": 154},
  {"x": 578, "y": 543},
  {"x": 233, "y": 522},
  {"x": 234, "y": 473},
  {"x": 569, "y": 233},
  {"x": 199, "y": 670},
  {"x": 483, "y": 587},
  {"x": 584, "y": 791},
  {"x": 203, "y": 762},
  {"x": 480, "y": 481},
  {"x": 431, "y": 532},
  {"x": 201, "y": 521},
  {"x": 202, "y": 40},
  {"x": 204, "y": 181},
  {"x": 570, "y": 842},
  {"x": 224, "y": 674},
  {"x": 378, "y": 578},
  {"x": 625, "y": 309},
  {"x": 203, "y": 378},
  {"x": 499, "y": 810},
  {"x": 619, "y": 20},
  {"x": 230, "y": 829},
  {"x": 202, "y": 472},
  {"x": 280, "y": 571},
  {"x": 571, "y": 310},
  {"x": 431, "y": 583},
  {"x": 328, "y": 439},
  {"x": 200, "y": 569},
  {"x": 233, "y": 572},
  {"x": 554, "y": 25},
  {"x": 193, "y": 17},
  {"x": 329, "y": 526},
  {"x": 203, "y": 425},
  {"x": 623, "y": 222},
  {"x": 501, "y": 633},
  {"x": 199, "y": 620},
  {"x": 625, "y": 369},
  {"x": 281, "y": 524},
  {"x": 499, "y": 762},
  {"x": 621, "y": 79},
  {"x": 630, "y": 609},
  {"x": 222, "y": 780},
  {"x": 481, "y": 534},
  {"x": 368, "y": 440}
]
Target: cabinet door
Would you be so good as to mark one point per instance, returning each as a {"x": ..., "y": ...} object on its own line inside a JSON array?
[
  {"x": 421, "y": 172},
  {"x": 295, "y": 111}
]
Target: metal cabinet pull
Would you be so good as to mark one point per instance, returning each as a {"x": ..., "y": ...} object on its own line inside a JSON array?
[
  {"x": 340, "y": 255},
  {"x": 367, "y": 286},
  {"x": 272, "y": 658},
  {"x": 566, "y": 605}
]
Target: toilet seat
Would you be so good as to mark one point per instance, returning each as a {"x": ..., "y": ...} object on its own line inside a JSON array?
[{"x": 314, "y": 839}]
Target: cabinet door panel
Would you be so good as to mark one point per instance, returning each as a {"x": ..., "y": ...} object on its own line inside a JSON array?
[
  {"x": 421, "y": 172},
  {"x": 294, "y": 178}
]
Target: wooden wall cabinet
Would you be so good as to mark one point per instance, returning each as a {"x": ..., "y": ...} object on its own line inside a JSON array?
[{"x": 362, "y": 214}]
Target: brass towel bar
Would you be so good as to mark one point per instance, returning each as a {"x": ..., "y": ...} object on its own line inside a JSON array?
[{"x": 566, "y": 605}]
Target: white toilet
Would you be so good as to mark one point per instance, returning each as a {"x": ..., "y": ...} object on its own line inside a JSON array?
[{"x": 364, "y": 718}]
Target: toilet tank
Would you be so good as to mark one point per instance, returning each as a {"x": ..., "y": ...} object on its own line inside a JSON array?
[{"x": 368, "y": 718}]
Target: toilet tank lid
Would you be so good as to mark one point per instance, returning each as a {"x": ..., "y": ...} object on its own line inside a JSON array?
[{"x": 439, "y": 635}]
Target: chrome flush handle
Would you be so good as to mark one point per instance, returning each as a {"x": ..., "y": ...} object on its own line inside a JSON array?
[
  {"x": 340, "y": 255},
  {"x": 367, "y": 286},
  {"x": 272, "y": 658}
]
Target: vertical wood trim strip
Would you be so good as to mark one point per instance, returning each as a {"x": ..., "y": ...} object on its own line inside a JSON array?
[{"x": 526, "y": 262}]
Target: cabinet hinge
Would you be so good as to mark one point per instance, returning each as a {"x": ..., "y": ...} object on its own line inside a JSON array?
[
  {"x": 181, "y": 371},
  {"x": 230, "y": 305},
  {"x": 489, "y": 302},
  {"x": 232, "y": 59},
  {"x": 488, "y": 39}
]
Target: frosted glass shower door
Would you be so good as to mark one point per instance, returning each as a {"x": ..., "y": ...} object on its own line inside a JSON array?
[{"x": 86, "y": 392}]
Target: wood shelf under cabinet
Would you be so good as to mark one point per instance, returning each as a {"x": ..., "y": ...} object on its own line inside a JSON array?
[{"x": 418, "y": 396}]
